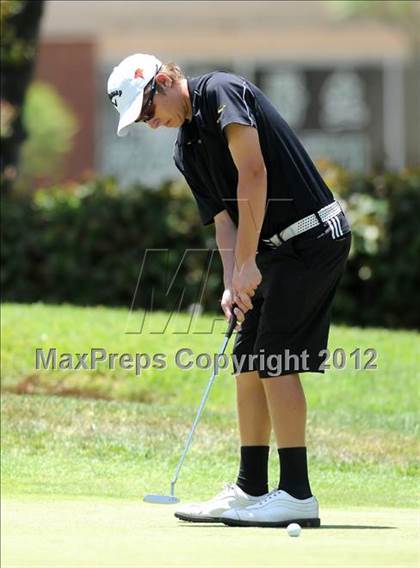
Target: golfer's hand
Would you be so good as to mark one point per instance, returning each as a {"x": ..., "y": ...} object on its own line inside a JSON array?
[
  {"x": 244, "y": 283},
  {"x": 226, "y": 303}
]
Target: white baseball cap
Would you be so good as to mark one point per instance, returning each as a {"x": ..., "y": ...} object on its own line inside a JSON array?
[{"x": 126, "y": 87}]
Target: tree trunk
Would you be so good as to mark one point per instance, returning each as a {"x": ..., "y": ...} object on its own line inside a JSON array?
[{"x": 20, "y": 37}]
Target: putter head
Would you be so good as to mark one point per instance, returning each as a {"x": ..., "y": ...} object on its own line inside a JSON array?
[{"x": 160, "y": 499}]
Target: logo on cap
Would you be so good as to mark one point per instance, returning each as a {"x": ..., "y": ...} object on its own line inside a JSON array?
[
  {"x": 112, "y": 99},
  {"x": 138, "y": 74}
]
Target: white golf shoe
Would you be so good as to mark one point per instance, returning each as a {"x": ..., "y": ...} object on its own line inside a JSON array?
[
  {"x": 276, "y": 509},
  {"x": 231, "y": 498}
]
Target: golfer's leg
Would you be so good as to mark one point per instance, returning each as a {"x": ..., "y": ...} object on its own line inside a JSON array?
[
  {"x": 254, "y": 430},
  {"x": 287, "y": 405},
  {"x": 253, "y": 414}
]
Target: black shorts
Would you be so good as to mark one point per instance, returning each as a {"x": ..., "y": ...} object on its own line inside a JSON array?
[{"x": 287, "y": 329}]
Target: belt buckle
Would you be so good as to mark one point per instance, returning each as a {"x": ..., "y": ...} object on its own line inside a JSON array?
[{"x": 273, "y": 242}]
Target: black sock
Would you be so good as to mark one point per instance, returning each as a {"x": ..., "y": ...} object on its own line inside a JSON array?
[
  {"x": 294, "y": 472},
  {"x": 253, "y": 475}
]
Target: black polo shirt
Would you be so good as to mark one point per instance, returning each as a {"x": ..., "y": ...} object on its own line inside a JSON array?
[{"x": 294, "y": 186}]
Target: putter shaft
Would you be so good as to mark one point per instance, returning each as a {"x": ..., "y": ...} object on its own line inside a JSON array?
[
  {"x": 228, "y": 335},
  {"x": 171, "y": 498}
]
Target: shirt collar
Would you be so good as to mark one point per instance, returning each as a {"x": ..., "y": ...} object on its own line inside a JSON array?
[
  {"x": 194, "y": 93},
  {"x": 188, "y": 132}
]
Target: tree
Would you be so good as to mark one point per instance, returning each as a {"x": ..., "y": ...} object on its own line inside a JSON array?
[
  {"x": 402, "y": 13},
  {"x": 20, "y": 20}
]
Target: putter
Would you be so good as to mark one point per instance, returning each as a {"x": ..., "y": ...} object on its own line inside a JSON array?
[{"x": 168, "y": 499}]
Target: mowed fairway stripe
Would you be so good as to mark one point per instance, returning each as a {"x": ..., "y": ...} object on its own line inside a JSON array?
[{"x": 87, "y": 533}]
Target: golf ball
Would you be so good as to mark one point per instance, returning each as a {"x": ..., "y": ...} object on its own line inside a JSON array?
[{"x": 293, "y": 529}]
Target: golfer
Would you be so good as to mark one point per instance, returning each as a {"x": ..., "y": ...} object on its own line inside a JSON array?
[{"x": 283, "y": 240}]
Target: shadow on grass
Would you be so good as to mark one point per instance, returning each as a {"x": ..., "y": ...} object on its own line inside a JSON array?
[
  {"x": 355, "y": 527},
  {"x": 325, "y": 527}
]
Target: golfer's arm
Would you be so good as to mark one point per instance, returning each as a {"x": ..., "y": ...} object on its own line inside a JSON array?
[
  {"x": 226, "y": 241},
  {"x": 246, "y": 152}
]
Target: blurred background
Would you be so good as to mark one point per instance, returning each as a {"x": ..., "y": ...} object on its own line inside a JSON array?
[{"x": 79, "y": 203}]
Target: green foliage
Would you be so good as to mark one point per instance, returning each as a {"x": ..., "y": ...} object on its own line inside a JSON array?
[
  {"x": 391, "y": 10},
  {"x": 7, "y": 115},
  {"x": 20, "y": 21},
  {"x": 404, "y": 14},
  {"x": 14, "y": 50},
  {"x": 382, "y": 283},
  {"x": 50, "y": 126},
  {"x": 86, "y": 245}
]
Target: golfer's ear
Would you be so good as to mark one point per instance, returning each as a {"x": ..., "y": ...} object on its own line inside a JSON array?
[
  {"x": 244, "y": 146},
  {"x": 163, "y": 80}
]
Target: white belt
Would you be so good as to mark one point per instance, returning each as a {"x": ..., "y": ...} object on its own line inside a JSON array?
[{"x": 303, "y": 225}]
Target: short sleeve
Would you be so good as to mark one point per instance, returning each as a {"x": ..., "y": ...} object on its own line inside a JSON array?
[
  {"x": 208, "y": 207},
  {"x": 231, "y": 100},
  {"x": 208, "y": 204}
]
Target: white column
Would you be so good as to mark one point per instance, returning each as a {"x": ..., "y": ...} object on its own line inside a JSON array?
[{"x": 393, "y": 93}]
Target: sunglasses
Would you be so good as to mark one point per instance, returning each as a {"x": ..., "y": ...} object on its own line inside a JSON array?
[{"x": 148, "y": 109}]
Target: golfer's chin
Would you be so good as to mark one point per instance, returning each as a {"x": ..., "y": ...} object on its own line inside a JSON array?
[{"x": 173, "y": 123}]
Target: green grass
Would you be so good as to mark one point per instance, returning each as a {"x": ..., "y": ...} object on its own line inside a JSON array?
[
  {"x": 67, "y": 446},
  {"x": 362, "y": 425},
  {"x": 108, "y": 533},
  {"x": 75, "y": 466},
  {"x": 386, "y": 394}
]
